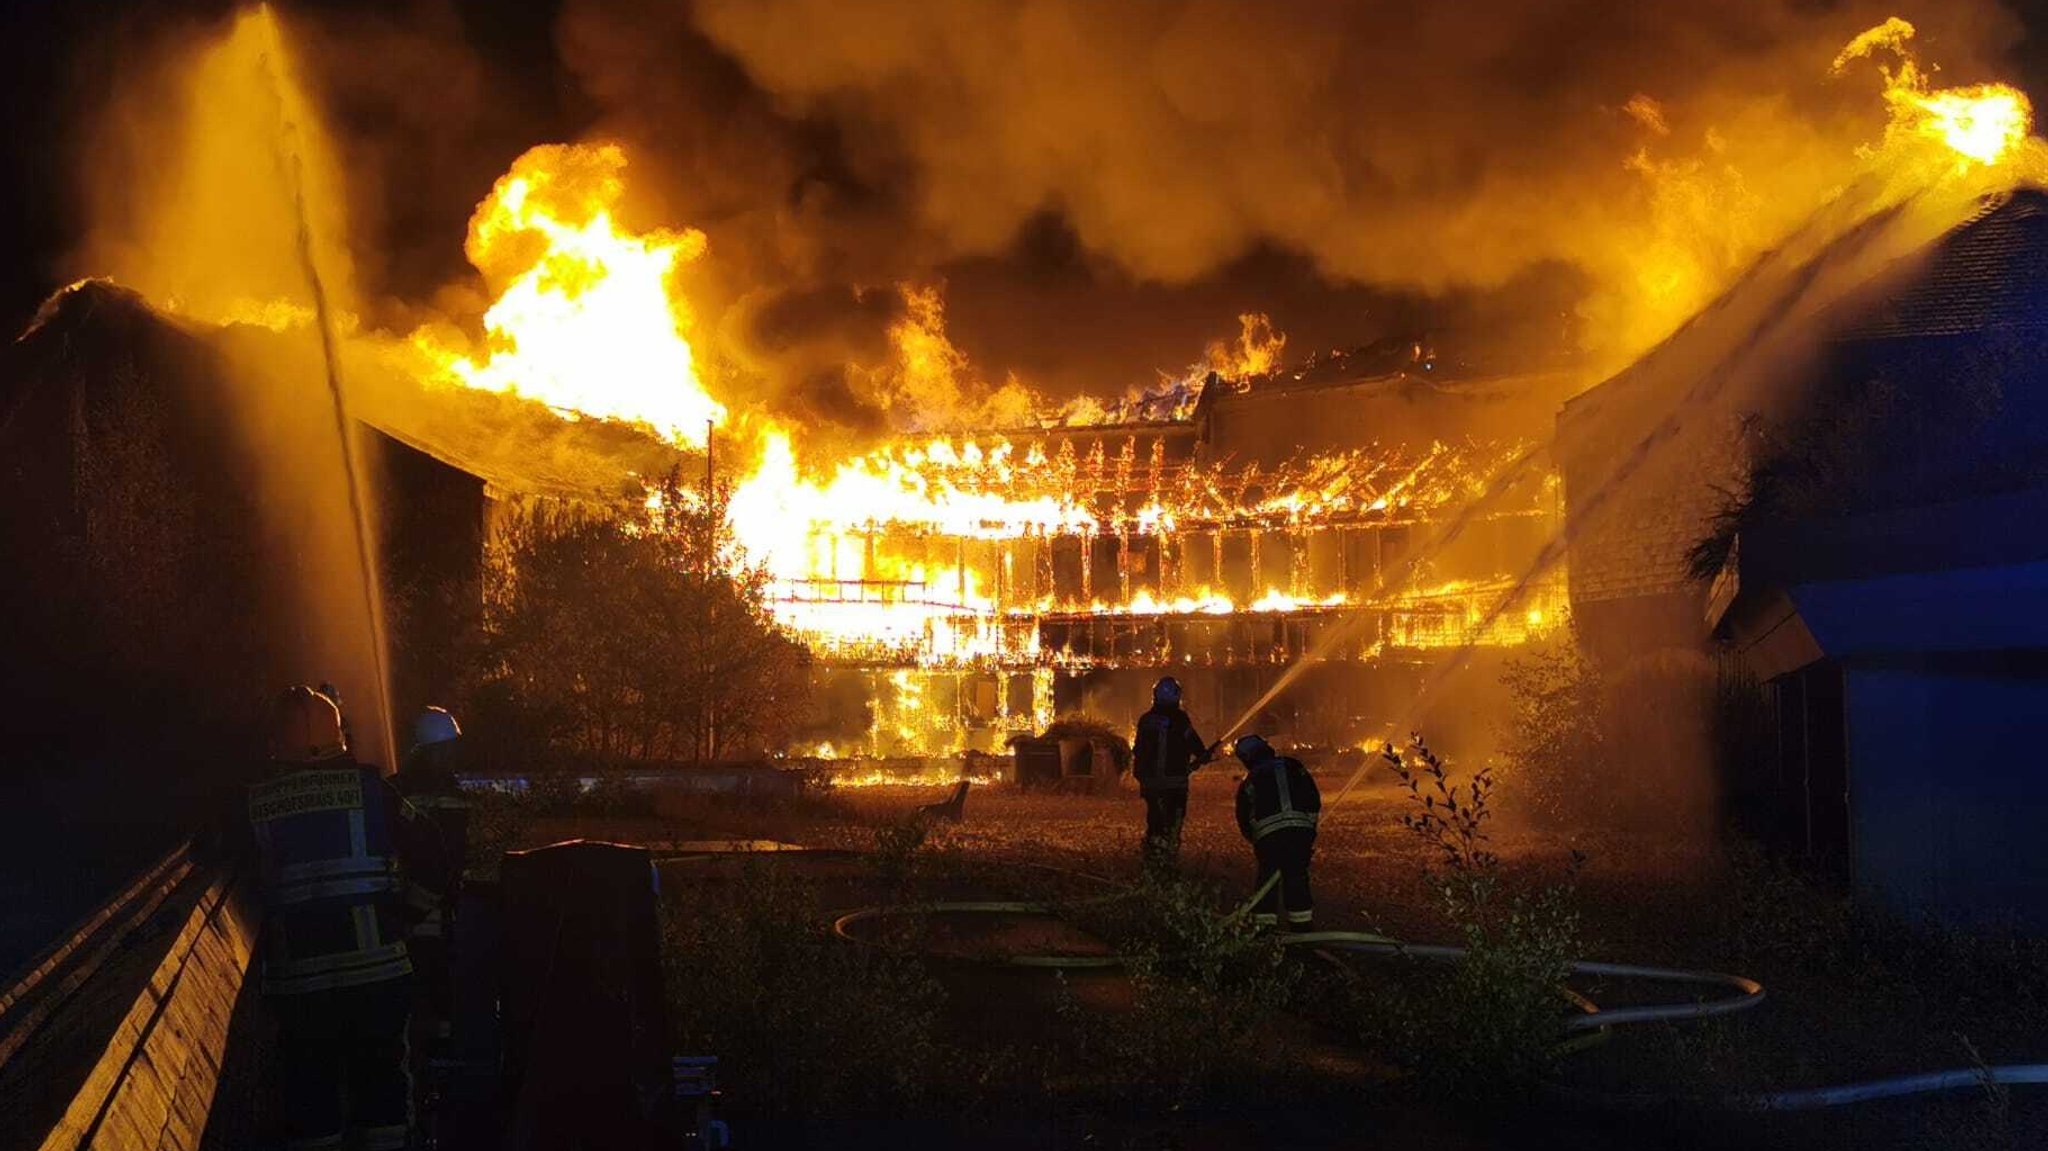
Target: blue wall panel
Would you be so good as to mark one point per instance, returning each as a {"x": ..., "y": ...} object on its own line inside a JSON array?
[{"x": 1948, "y": 793}]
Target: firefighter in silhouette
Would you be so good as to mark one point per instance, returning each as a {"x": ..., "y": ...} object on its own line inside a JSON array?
[
  {"x": 1277, "y": 808},
  {"x": 428, "y": 781},
  {"x": 330, "y": 839},
  {"x": 1164, "y": 752}
]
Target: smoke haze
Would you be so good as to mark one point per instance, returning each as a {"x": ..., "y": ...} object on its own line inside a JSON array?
[{"x": 1100, "y": 189}]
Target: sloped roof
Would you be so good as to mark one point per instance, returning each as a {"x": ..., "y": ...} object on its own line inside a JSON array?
[
  {"x": 86, "y": 333},
  {"x": 1988, "y": 274},
  {"x": 1896, "y": 275}
]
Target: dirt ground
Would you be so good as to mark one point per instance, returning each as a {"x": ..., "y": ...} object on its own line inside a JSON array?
[
  {"x": 1644, "y": 899},
  {"x": 1366, "y": 867}
]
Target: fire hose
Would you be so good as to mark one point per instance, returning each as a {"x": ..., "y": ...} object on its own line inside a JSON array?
[
  {"x": 1748, "y": 993},
  {"x": 1593, "y": 1024}
]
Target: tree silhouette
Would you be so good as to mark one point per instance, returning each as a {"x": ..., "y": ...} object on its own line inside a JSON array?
[{"x": 643, "y": 635}]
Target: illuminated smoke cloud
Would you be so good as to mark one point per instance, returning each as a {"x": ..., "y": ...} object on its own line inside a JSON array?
[{"x": 1656, "y": 145}]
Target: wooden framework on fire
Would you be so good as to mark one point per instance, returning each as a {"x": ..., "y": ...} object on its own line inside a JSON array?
[{"x": 1160, "y": 559}]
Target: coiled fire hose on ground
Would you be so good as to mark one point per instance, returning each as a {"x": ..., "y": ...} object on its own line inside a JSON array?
[
  {"x": 1593, "y": 1024},
  {"x": 1747, "y": 992}
]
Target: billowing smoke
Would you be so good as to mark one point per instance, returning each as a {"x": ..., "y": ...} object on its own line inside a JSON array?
[
  {"x": 1098, "y": 190},
  {"x": 1657, "y": 147}
]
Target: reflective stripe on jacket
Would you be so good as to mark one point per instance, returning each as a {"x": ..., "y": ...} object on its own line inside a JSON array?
[
  {"x": 1165, "y": 750},
  {"x": 327, "y": 841},
  {"x": 1277, "y": 794},
  {"x": 430, "y": 786}
]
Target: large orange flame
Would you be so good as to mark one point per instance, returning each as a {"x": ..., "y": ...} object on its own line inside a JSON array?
[
  {"x": 587, "y": 319},
  {"x": 1981, "y": 123},
  {"x": 904, "y": 549}
]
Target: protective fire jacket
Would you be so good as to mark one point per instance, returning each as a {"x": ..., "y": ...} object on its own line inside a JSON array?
[
  {"x": 329, "y": 838},
  {"x": 1278, "y": 793},
  {"x": 427, "y": 781},
  {"x": 1166, "y": 750}
]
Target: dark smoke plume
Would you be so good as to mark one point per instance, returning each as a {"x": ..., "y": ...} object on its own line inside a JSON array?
[
  {"x": 1415, "y": 147},
  {"x": 1102, "y": 188}
]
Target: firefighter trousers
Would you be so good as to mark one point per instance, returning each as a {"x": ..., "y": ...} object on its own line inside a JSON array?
[
  {"x": 1286, "y": 853},
  {"x": 1165, "y": 812},
  {"x": 431, "y": 970},
  {"x": 343, "y": 1057}
]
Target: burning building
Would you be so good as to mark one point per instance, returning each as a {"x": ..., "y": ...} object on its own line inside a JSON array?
[
  {"x": 967, "y": 558},
  {"x": 972, "y": 586},
  {"x": 954, "y": 589}
]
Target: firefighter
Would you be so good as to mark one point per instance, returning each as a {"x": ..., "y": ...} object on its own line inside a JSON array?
[
  {"x": 428, "y": 782},
  {"x": 332, "y": 692},
  {"x": 1165, "y": 751},
  {"x": 330, "y": 837},
  {"x": 1277, "y": 808}
]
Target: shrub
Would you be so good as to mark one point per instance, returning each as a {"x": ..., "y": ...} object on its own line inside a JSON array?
[
  {"x": 645, "y": 634},
  {"x": 1202, "y": 986},
  {"x": 1079, "y": 726},
  {"x": 497, "y": 824},
  {"x": 1784, "y": 920},
  {"x": 801, "y": 1022},
  {"x": 897, "y": 852},
  {"x": 1492, "y": 1021},
  {"x": 815, "y": 779},
  {"x": 1628, "y": 746},
  {"x": 610, "y": 795},
  {"x": 1554, "y": 742},
  {"x": 552, "y": 792}
]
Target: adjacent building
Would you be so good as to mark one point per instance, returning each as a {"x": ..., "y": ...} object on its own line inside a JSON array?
[{"x": 1876, "y": 559}]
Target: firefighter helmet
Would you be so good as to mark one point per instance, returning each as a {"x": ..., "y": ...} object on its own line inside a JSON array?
[
  {"x": 435, "y": 725},
  {"x": 1252, "y": 749},
  {"x": 306, "y": 727},
  {"x": 1166, "y": 691}
]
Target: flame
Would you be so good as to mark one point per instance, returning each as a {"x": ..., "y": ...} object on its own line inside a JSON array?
[
  {"x": 933, "y": 551},
  {"x": 586, "y": 320},
  {"x": 1456, "y": 613},
  {"x": 850, "y": 555},
  {"x": 929, "y": 486},
  {"x": 1981, "y": 123},
  {"x": 924, "y": 777},
  {"x": 1255, "y": 353},
  {"x": 1712, "y": 198},
  {"x": 931, "y": 381}
]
